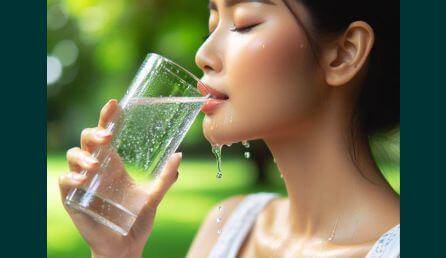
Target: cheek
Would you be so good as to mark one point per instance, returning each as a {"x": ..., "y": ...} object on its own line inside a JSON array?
[{"x": 266, "y": 75}]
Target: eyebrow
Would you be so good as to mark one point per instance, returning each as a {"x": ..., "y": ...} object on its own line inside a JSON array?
[{"x": 229, "y": 3}]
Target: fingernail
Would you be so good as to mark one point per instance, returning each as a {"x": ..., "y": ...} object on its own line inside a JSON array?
[
  {"x": 76, "y": 176},
  {"x": 90, "y": 160}
]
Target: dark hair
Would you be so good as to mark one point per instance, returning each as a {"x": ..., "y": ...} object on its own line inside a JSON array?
[{"x": 378, "y": 105}]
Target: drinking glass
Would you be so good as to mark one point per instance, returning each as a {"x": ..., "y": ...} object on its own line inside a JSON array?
[{"x": 152, "y": 120}]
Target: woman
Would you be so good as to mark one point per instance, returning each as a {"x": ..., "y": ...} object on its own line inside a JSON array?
[{"x": 314, "y": 80}]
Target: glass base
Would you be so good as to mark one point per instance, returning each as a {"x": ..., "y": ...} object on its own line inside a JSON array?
[{"x": 108, "y": 213}]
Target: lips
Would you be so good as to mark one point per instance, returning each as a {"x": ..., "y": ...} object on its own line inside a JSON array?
[
  {"x": 216, "y": 100},
  {"x": 215, "y": 94}
]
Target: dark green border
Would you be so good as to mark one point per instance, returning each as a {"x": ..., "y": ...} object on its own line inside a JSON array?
[
  {"x": 23, "y": 126},
  {"x": 423, "y": 145}
]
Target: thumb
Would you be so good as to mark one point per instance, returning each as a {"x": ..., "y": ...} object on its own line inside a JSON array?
[{"x": 165, "y": 180}]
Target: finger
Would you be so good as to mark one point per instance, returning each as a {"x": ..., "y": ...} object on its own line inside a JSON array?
[
  {"x": 93, "y": 137},
  {"x": 107, "y": 112},
  {"x": 164, "y": 181},
  {"x": 69, "y": 181},
  {"x": 79, "y": 160}
]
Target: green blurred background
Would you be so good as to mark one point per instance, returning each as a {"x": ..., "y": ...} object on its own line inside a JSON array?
[{"x": 94, "y": 48}]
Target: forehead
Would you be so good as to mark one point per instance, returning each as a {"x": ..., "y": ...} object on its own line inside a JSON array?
[{"x": 229, "y": 3}]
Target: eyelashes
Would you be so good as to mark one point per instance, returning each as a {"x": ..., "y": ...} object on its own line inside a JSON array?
[
  {"x": 244, "y": 29},
  {"x": 235, "y": 29}
]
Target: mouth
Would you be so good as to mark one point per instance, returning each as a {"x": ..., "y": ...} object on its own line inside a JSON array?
[
  {"x": 216, "y": 99},
  {"x": 214, "y": 94}
]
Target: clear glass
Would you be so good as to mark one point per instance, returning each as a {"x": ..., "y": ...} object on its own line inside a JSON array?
[{"x": 154, "y": 116}]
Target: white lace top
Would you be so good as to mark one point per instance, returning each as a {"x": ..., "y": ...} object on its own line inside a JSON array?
[{"x": 243, "y": 217}]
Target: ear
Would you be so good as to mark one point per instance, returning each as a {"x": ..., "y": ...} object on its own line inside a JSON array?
[{"x": 344, "y": 58}]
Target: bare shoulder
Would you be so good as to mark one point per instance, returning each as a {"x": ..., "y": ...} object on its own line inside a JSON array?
[{"x": 207, "y": 235}]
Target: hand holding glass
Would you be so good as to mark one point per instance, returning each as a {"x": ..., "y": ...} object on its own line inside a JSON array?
[{"x": 153, "y": 118}]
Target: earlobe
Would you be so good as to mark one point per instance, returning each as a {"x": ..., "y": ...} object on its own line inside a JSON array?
[{"x": 346, "y": 56}]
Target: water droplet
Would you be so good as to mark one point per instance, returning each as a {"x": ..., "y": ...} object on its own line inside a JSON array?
[
  {"x": 245, "y": 144},
  {"x": 229, "y": 145},
  {"x": 216, "y": 149},
  {"x": 274, "y": 159},
  {"x": 281, "y": 176},
  {"x": 220, "y": 208},
  {"x": 247, "y": 154},
  {"x": 219, "y": 231},
  {"x": 218, "y": 220}
]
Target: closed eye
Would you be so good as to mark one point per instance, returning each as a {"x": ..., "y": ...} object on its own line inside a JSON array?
[{"x": 244, "y": 29}]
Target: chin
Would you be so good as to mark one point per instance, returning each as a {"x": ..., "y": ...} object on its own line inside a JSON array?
[{"x": 221, "y": 136}]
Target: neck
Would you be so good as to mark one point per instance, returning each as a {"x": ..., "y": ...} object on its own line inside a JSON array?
[{"x": 322, "y": 181}]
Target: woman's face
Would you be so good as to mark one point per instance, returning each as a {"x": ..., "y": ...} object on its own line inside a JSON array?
[{"x": 265, "y": 66}]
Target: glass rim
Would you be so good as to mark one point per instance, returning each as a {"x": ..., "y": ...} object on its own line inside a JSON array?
[{"x": 178, "y": 66}]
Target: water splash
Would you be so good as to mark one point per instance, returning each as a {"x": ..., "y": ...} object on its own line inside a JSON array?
[{"x": 216, "y": 149}]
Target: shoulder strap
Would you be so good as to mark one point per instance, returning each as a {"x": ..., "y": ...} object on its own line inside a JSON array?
[
  {"x": 239, "y": 225},
  {"x": 388, "y": 245}
]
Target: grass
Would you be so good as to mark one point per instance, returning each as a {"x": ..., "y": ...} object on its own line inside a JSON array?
[{"x": 180, "y": 213}]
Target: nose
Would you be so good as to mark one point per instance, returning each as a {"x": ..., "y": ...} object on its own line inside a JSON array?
[{"x": 207, "y": 59}]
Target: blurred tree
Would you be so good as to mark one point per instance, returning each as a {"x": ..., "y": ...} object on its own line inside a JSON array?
[{"x": 107, "y": 42}]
